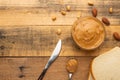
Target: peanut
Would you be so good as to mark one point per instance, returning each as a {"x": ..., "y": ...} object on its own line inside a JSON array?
[
  {"x": 63, "y": 12},
  {"x": 68, "y": 8},
  {"x": 90, "y": 3},
  {"x": 53, "y": 18},
  {"x": 59, "y": 31},
  {"x": 110, "y": 10}
]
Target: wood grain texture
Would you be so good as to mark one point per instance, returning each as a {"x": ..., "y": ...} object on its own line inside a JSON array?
[
  {"x": 26, "y": 29},
  {"x": 15, "y": 12},
  {"x": 41, "y": 41},
  {"x": 30, "y": 68}
]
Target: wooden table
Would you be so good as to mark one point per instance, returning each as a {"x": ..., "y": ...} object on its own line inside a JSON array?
[{"x": 28, "y": 37}]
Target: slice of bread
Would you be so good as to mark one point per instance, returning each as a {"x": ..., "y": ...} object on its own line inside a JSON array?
[
  {"x": 106, "y": 66},
  {"x": 90, "y": 77}
]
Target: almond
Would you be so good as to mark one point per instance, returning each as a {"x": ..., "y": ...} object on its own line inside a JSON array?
[
  {"x": 94, "y": 12},
  {"x": 105, "y": 21},
  {"x": 116, "y": 36}
]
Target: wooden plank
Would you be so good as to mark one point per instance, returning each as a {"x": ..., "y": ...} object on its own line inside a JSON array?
[
  {"x": 41, "y": 40},
  {"x": 39, "y": 12},
  {"x": 34, "y": 3},
  {"x": 26, "y": 29},
  {"x": 43, "y": 16},
  {"x": 22, "y": 3},
  {"x": 10, "y": 68}
]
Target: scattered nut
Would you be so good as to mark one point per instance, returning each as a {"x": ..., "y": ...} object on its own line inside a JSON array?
[
  {"x": 59, "y": 31},
  {"x": 68, "y": 8},
  {"x": 90, "y": 3},
  {"x": 72, "y": 65},
  {"x": 63, "y": 12},
  {"x": 105, "y": 21},
  {"x": 116, "y": 36},
  {"x": 94, "y": 12},
  {"x": 53, "y": 18},
  {"x": 110, "y": 10}
]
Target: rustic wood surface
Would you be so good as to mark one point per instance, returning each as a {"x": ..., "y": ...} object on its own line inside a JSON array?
[
  {"x": 30, "y": 68},
  {"x": 26, "y": 29},
  {"x": 41, "y": 41}
]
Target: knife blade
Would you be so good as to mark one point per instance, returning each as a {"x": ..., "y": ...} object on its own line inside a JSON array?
[{"x": 53, "y": 57}]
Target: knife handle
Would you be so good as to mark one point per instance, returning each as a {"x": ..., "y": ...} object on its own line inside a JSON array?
[{"x": 43, "y": 74}]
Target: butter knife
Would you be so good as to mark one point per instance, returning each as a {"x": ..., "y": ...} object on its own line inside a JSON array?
[{"x": 53, "y": 57}]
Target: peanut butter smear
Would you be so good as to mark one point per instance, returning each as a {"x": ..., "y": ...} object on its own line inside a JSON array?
[{"x": 88, "y": 33}]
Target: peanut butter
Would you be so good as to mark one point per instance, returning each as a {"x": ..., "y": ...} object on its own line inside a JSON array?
[
  {"x": 88, "y": 32},
  {"x": 72, "y": 65}
]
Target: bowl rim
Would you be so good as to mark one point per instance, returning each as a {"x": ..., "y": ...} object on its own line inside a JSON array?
[{"x": 97, "y": 20}]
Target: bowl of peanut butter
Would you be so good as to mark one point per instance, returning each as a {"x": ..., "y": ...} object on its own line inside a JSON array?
[{"x": 88, "y": 33}]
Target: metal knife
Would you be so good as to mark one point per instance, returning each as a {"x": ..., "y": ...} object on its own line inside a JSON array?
[{"x": 53, "y": 57}]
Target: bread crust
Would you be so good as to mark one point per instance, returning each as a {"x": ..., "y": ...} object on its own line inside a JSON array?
[
  {"x": 91, "y": 64},
  {"x": 91, "y": 70}
]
